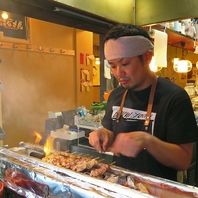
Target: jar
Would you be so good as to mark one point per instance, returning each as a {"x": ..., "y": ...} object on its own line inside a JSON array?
[
  {"x": 195, "y": 105},
  {"x": 190, "y": 89}
]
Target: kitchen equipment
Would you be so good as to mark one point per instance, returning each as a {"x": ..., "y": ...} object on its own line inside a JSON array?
[
  {"x": 2, "y": 134},
  {"x": 190, "y": 89},
  {"x": 46, "y": 180}
]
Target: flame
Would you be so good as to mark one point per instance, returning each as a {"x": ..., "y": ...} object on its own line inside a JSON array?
[
  {"x": 48, "y": 146},
  {"x": 38, "y": 137}
]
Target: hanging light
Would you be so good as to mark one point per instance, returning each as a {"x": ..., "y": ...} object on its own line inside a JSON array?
[
  {"x": 97, "y": 61},
  {"x": 196, "y": 52},
  {"x": 196, "y": 47},
  {"x": 182, "y": 65},
  {"x": 4, "y": 15},
  {"x": 153, "y": 66}
]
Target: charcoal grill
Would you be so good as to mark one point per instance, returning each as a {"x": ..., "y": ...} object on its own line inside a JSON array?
[{"x": 58, "y": 182}]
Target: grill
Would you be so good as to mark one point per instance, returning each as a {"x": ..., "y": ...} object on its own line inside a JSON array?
[{"x": 23, "y": 171}]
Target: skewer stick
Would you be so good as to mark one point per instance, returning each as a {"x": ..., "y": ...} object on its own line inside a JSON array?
[
  {"x": 100, "y": 160},
  {"x": 79, "y": 153},
  {"x": 112, "y": 163},
  {"x": 90, "y": 157},
  {"x": 63, "y": 152}
]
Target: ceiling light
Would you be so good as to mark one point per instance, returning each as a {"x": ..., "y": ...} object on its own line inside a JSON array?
[
  {"x": 182, "y": 65},
  {"x": 97, "y": 61},
  {"x": 196, "y": 50},
  {"x": 4, "y": 15},
  {"x": 197, "y": 64},
  {"x": 153, "y": 66}
]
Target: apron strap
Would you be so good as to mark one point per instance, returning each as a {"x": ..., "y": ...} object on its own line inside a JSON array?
[
  {"x": 150, "y": 104},
  {"x": 121, "y": 106},
  {"x": 149, "y": 107}
]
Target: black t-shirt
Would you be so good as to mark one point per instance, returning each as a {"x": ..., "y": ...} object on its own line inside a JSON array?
[{"x": 172, "y": 120}]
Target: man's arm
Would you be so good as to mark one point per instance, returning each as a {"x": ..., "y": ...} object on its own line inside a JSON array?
[
  {"x": 168, "y": 154},
  {"x": 172, "y": 155}
]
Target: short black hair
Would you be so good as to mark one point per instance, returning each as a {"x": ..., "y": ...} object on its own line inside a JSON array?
[{"x": 126, "y": 29}]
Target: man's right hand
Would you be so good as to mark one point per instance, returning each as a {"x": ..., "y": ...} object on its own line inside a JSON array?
[{"x": 101, "y": 139}]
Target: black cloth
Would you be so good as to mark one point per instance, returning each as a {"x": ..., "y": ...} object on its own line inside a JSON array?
[{"x": 172, "y": 120}]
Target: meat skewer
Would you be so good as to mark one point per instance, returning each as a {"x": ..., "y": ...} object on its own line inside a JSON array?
[
  {"x": 77, "y": 163},
  {"x": 70, "y": 161},
  {"x": 94, "y": 168},
  {"x": 85, "y": 164},
  {"x": 60, "y": 158},
  {"x": 99, "y": 171}
]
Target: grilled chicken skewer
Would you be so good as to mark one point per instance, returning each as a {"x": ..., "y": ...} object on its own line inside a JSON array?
[
  {"x": 99, "y": 171},
  {"x": 70, "y": 161},
  {"x": 80, "y": 163},
  {"x": 77, "y": 163},
  {"x": 85, "y": 164}
]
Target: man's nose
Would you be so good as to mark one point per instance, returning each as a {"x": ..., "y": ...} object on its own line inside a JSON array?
[{"x": 119, "y": 71}]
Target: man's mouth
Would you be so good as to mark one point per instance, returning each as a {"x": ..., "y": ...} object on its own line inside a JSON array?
[{"x": 123, "y": 81}]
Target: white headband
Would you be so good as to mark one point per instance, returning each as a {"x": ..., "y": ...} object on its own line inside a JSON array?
[{"x": 127, "y": 46}]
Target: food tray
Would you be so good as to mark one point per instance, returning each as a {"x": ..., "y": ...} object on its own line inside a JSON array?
[
  {"x": 61, "y": 182},
  {"x": 2, "y": 134},
  {"x": 67, "y": 134},
  {"x": 80, "y": 121}
]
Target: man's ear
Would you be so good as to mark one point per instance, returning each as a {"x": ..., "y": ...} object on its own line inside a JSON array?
[{"x": 147, "y": 56}]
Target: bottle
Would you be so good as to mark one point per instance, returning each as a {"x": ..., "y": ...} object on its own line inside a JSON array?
[
  {"x": 190, "y": 89},
  {"x": 196, "y": 84},
  {"x": 183, "y": 29}
]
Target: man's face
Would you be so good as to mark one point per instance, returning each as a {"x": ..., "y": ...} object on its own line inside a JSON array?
[{"x": 131, "y": 72}]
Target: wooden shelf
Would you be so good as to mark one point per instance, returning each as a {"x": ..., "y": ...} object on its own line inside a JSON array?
[{"x": 175, "y": 38}]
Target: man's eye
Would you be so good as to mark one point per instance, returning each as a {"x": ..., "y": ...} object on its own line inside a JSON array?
[
  {"x": 125, "y": 64},
  {"x": 113, "y": 66}
]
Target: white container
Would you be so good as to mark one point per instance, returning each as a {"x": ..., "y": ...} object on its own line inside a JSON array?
[
  {"x": 190, "y": 89},
  {"x": 81, "y": 122},
  {"x": 67, "y": 134},
  {"x": 177, "y": 26}
]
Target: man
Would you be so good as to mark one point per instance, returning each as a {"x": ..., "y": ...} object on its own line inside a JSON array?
[{"x": 149, "y": 123}]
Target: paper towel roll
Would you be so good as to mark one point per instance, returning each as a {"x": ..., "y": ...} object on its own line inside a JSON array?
[
  {"x": 160, "y": 48},
  {"x": 107, "y": 70}
]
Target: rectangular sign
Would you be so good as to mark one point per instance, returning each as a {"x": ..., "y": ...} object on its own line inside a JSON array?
[{"x": 14, "y": 26}]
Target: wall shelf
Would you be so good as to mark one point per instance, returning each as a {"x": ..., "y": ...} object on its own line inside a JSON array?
[
  {"x": 32, "y": 48},
  {"x": 175, "y": 38}
]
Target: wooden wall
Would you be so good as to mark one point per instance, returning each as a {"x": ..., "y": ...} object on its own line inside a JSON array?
[{"x": 36, "y": 82}]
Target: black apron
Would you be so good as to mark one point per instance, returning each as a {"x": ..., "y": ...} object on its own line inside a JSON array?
[{"x": 144, "y": 162}]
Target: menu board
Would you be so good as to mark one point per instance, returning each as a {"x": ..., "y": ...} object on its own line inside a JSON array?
[{"x": 15, "y": 26}]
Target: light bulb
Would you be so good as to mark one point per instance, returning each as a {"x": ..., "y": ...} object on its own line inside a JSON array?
[
  {"x": 197, "y": 64},
  {"x": 153, "y": 66},
  {"x": 97, "y": 61},
  {"x": 182, "y": 66},
  {"x": 4, "y": 15}
]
